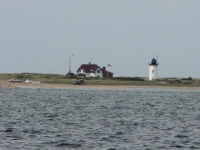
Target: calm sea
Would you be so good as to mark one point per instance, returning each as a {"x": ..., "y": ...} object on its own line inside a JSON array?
[{"x": 128, "y": 119}]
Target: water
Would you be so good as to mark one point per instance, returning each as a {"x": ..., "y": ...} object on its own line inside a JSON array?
[{"x": 99, "y": 119}]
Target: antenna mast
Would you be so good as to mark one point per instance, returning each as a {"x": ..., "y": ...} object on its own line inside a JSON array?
[{"x": 157, "y": 59}]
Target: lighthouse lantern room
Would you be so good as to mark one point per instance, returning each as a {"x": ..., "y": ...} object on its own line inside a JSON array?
[{"x": 153, "y": 69}]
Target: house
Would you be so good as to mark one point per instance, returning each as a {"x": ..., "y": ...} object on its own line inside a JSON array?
[{"x": 93, "y": 70}]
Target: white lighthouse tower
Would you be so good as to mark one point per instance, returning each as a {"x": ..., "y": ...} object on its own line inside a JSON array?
[{"x": 153, "y": 69}]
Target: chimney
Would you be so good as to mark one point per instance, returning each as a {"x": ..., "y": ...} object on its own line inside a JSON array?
[
  {"x": 89, "y": 63},
  {"x": 104, "y": 68}
]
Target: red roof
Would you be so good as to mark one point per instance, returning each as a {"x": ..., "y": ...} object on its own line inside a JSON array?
[{"x": 89, "y": 67}]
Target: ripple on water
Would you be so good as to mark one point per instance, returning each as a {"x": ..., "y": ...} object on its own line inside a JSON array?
[{"x": 99, "y": 119}]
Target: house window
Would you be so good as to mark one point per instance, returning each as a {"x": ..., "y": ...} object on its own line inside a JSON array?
[
  {"x": 98, "y": 71},
  {"x": 153, "y": 71}
]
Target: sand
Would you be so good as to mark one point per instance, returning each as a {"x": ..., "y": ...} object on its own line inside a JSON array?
[{"x": 66, "y": 86}]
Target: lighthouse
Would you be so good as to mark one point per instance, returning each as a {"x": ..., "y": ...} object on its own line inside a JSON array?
[{"x": 153, "y": 69}]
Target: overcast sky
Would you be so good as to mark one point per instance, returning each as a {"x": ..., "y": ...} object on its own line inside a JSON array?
[{"x": 38, "y": 35}]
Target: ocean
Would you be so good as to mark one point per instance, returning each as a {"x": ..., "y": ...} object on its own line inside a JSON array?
[{"x": 99, "y": 119}]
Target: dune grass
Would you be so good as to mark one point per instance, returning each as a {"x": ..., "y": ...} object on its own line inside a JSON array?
[{"x": 137, "y": 81}]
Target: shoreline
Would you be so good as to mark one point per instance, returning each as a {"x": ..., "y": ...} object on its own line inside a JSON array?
[{"x": 67, "y": 86}]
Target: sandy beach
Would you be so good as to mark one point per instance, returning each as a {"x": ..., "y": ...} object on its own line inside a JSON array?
[{"x": 67, "y": 86}]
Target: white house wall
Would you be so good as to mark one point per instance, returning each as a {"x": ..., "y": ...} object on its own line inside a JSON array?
[
  {"x": 82, "y": 71},
  {"x": 100, "y": 74},
  {"x": 94, "y": 75}
]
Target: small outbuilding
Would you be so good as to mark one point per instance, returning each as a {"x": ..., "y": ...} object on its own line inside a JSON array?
[{"x": 70, "y": 75}]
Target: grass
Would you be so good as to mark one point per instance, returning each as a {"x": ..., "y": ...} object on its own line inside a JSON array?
[{"x": 137, "y": 81}]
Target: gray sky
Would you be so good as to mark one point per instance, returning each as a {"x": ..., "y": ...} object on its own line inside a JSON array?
[{"x": 38, "y": 35}]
